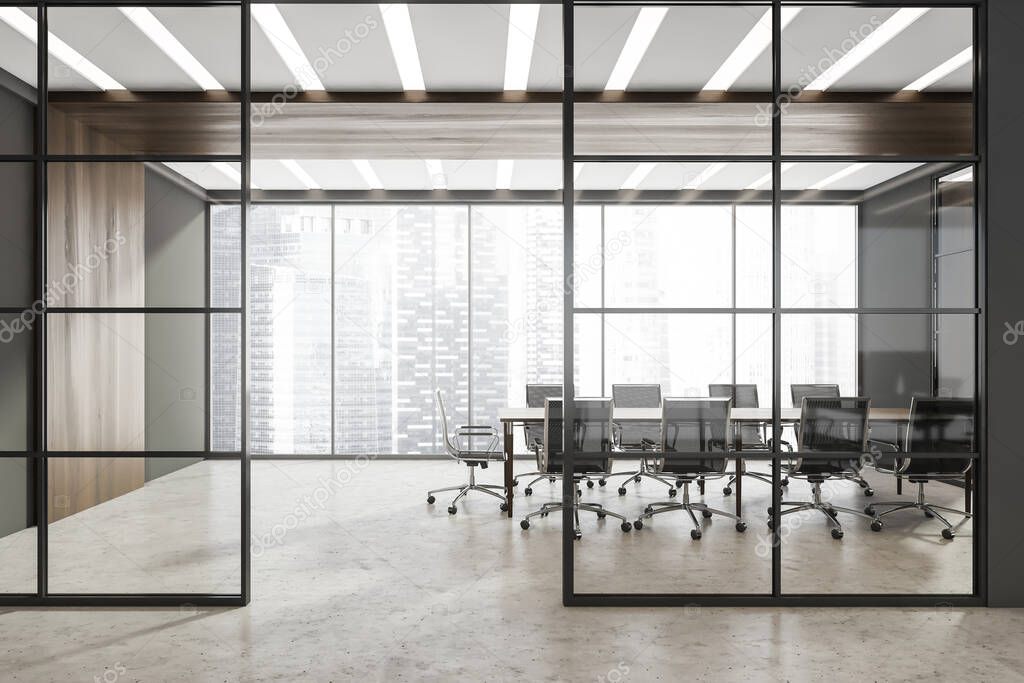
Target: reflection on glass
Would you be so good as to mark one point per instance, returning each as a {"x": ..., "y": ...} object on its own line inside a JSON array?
[{"x": 17, "y": 532}]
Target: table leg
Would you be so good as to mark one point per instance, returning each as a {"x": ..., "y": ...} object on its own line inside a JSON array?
[
  {"x": 968, "y": 485},
  {"x": 899, "y": 486},
  {"x": 739, "y": 487},
  {"x": 509, "y": 474}
]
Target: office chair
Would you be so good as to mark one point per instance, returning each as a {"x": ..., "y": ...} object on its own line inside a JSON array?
[
  {"x": 937, "y": 425},
  {"x": 640, "y": 437},
  {"x": 696, "y": 441},
  {"x": 801, "y": 391},
  {"x": 534, "y": 434},
  {"x": 745, "y": 396},
  {"x": 833, "y": 427},
  {"x": 592, "y": 433},
  {"x": 460, "y": 452}
]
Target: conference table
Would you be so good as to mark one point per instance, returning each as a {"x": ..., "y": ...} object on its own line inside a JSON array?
[{"x": 512, "y": 417}]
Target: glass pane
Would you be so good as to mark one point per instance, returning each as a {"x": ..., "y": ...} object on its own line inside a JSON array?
[
  {"x": 125, "y": 234},
  {"x": 588, "y": 256},
  {"x": 226, "y": 382},
  {"x": 16, "y": 380},
  {"x": 110, "y": 531},
  {"x": 102, "y": 103},
  {"x": 18, "y": 233},
  {"x": 955, "y": 239},
  {"x": 17, "y": 527},
  {"x": 18, "y": 35},
  {"x": 878, "y": 81},
  {"x": 819, "y": 255},
  {"x": 290, "y": 328},
  {"x": 517, "y": 305},
  {"x": 146, "y": 370},
  {"x": 753, "y": 255},
  {"x": 225, "y": 255},
  {"x": 679, "y": 80}
]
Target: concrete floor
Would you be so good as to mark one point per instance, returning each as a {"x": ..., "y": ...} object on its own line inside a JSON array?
[{"x": 356, "y": 578}]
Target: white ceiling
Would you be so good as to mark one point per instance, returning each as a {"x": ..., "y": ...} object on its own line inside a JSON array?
[
  {"x": 462, "y": 47},
  {"x": 412, "y": 174}
]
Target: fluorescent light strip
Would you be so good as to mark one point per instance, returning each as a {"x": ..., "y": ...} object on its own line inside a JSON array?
[
  {"x": 889, "y": 29},
  {"x": 522, "y": 31},
  {"x": 228, "y": 170},
  {"x": 281, "y": 37},
  {"x": 368, "y": 174},
  {"x": 964, "y": 176},
  {"x": 171, "y": 46},
  {"x": 942, "y": 70},
  {"x": 503, "y": 179},
  {"x": 435, "y": 170},
  {"x": 704, "y": 176},
  {"x": 767, "y": 177},
  {"x": 398, "y": 26},
  {"x": 577, "y": 169},
  {"x": 640, "y": 37},
  {"x": 300, "y": 173},
  {"x": 837, "y": 176},
  {"x": 638, "y": 175},
  {"x": 26, "y": 26},
  {"x": 750, "y": 48}
]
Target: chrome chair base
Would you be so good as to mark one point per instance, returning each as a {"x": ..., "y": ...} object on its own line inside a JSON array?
[
  {"x": 929, "y": 510},
  {"x": 577, "y": 506},
  {"x": 463, "y": 489},
  {"x": 691, "y": 508},
  {"x": 830, "y": 511}
]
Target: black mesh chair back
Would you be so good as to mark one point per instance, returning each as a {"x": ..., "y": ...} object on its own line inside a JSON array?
[
  {"x": 801, "y": 391},
  {"x": 743, "y": 396},
  {"x": 592, "y": 436},
  {"x": 831, "y": 426},
  {"x": 535, "y": 395},
  {"x": 939, "y": 425},
  {"x": 696, "y": 435},
  {"x": 634, "y": 434}
]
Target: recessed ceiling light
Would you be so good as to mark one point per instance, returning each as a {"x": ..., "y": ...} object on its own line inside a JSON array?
[
  {"x": 26, "y": 26},
  {"x": 296, "y": 170},
  {"x": 637, "y": 176},
  {"x": 750, "y": 48},
  {"x": 398, "y": 26},
  {"x": 889, "y": 29},
  {"x": 767, "y": 177},
  {"x": 171, "y": 46},
  {"x": 503, "y": 179},
  {"x": 435, "y": 170},
  {"x": 368, "y": 174},
  {"x": 837, "y": 176},
  {"x": 640, "y": 37},
  {"x": 281, "y": 37},
  {"x": 704, "y": 176},
  {"x": 942, "y": 70},
  {"x": 522, "y": 31}
]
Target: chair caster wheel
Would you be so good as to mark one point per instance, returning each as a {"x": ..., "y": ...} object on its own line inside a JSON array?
[
  {"x": 769, "y": 512},
  {"x": 625, "y": 526},
  {"x": 503, "y": 507},
  {"x": 695, "y": 535},
  {"x": 590, "y": 484},
  {"x": 876, "y": 525},
  {"x": 452, "y": 509},
  {"x": 727, "y": 491},
  {"x": 869, "y": 492},
  {"x": 648, "y": 510},
  {"x": 771, "y": 524},
  {"x": 706, "y": 514},
  {"x": 622, "y": 490},
  {"x": 602, "y": 482},
  {"x": 671, "y": 493},
  {"x": 527, "y": 491},
  {"x": 679, "y": 483},
  {"x": 638, "y": 525},
  {"x": 637, "y": 478},
  {"x": 577, "y": 535},
  {"x": 869, "y": 510},
  {"x": 837, "y": 534},
  {"x": 579, "y": 493},
  {"x": 929, "y": 514},
  {"x": 602, "y": 515},
  {"x": 543, "y": 514},
  {"x": 524, "y": 524},
  {"x": 430, "y": 500},
  {"x": 741, "y": 527},
  {"x": 515, "y": 482},
  {"x": 947, "y": 534},
  {"x": 551, "y": 479},
  {"x": 832, "y": 513},
  {"x": 785, "y": 481}
]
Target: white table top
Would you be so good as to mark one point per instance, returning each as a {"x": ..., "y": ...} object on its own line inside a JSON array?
[{"x": 758, "y": 415}]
